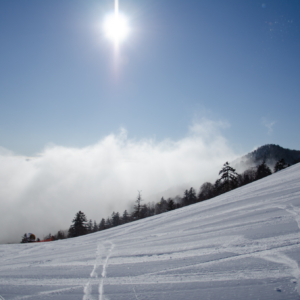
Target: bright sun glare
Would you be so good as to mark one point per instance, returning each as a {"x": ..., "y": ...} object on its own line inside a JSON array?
[{"x": 116, "y": 26}]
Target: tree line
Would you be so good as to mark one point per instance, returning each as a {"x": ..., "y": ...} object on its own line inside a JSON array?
[{"x": 228, "y": 180}]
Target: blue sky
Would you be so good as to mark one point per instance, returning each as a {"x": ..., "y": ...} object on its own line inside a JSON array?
[{"x": 232, "y": 61}]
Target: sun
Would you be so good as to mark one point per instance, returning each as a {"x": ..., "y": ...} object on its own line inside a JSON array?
[{"x": 116, "y": 27}]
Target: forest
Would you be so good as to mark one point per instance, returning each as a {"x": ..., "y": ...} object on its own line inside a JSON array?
[{"x": 228, "y": 180}]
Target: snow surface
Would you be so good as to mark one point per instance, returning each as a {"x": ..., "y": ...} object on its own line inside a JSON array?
[{"x": 244, "y": 244}]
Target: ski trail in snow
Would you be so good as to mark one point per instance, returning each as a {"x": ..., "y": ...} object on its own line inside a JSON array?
[
  {"x": 281, "y": 258},
  {"x": 87, "y": 288},
  {"x": 93, "y": 273},
  {"x": 103, "y": 274},
  {"x": 133, "y": 289},
  {"x": 295, "y": 211},
  {"x": 87, "y": 292}
]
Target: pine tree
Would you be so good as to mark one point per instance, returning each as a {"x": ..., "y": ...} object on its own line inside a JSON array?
[
  {"x": 151, "y": 209},
  {"x": 206, "y": 191},
  {"x": 247, "y": 177},
  {"x": 102, "y": 224},
  {"x": 280, "y": 165},
  {"x": 137, "y": 206},
  {"x": 262, "y": 171},
  {"x": 125, "y": 217},
  {"x": 192, "y": 198},
  {"x": 60, "y": 235},
  {"x": 185, "y": 199},
  {"x": 217, "y": 188},
  {"x": 161, "y": 206},
  {"x": 108, "y": 223},
  {"x": 79, "y": 226},
  {"x": 115, "y": 219},
  {"x": 171, "y": 204},
  {"x": 145, "y": 212},
  {"x": 95, "y": 227},
  {"x": 90, "y": 226},
  {"x": 228, "y": 180}
]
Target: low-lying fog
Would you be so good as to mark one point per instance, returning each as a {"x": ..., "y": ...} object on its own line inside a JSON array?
[{"x": 42, "y": 194}]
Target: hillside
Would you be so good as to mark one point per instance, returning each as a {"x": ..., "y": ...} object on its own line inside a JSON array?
[
  {"x": 270, "y": 154},
  {"x": 244, "y": 244}
]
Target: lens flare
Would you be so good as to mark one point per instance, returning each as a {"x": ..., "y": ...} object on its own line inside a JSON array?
[{"x": 116, "y": 26}]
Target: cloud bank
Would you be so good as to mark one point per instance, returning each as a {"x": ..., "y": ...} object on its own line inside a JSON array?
[{"x": 42, "y": 194}]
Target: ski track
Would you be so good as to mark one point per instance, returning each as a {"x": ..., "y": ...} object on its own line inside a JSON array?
[
  {"x": 103, "y": 251},
  {"x": 280, "y": 257},
  {"x": 136, "y": 297},
  {"x": 87, "y": 292},
  {"x": 295, "y": 211},
  {"x": 88, "y": 288},
  {"x": 109, "y": 248}
]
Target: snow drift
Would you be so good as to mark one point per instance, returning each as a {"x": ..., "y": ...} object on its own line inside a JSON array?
[{"x": 244, "y": 244}]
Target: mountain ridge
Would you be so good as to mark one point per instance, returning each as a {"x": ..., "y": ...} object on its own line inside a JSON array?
[{"x": 270, "y": 153}]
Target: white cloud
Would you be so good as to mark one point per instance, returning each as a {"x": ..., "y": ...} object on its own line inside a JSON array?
[{"x": 42, "y": 194}]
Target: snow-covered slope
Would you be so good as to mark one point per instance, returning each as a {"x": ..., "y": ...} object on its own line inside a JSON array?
[{"x": 244, "y": 244}]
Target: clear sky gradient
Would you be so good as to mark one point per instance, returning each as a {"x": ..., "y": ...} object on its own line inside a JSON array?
[{"x": 232, "y": 61}]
